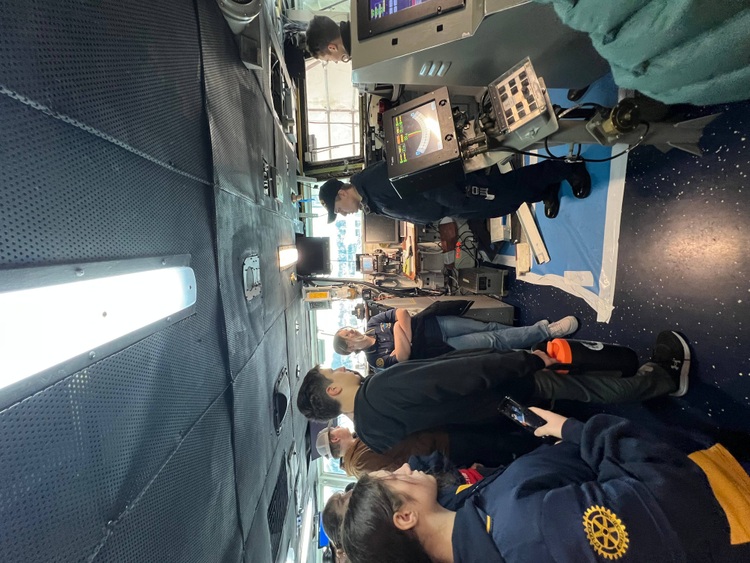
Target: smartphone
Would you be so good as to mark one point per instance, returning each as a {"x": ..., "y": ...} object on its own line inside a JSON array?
[{"x": 521, "y": 414}]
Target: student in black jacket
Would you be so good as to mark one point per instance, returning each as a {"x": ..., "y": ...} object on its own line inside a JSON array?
[
  {"x": 608, "y": 491},
  {"x": 466, "y": 387}
]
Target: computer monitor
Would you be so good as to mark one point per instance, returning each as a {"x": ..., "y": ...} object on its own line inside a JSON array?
[
  {"x": 366, "y": 263},
  {"x": 420, "y": 136},
  {"x": 378, "y": 228},
  {"x": 314, "y": 255},
  {"x": 380, "y": 16},
  {"x": 417, "y": 132}
]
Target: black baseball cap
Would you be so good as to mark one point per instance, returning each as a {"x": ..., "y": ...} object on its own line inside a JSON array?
[{"x": 327, "y": 194}]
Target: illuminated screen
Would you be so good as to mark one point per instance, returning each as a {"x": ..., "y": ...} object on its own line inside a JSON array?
[
  {"x": 381, "y": 8},
  {"x": 417, "y": 132},
  {"x": 367, "y": 264}
]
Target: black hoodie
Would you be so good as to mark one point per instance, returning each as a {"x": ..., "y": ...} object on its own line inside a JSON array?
[{"x": 459, "y": 388}]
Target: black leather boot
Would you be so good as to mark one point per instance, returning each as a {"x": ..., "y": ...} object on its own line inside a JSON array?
[
  {"x": 552, "y": 201},
  {"x": 580, "y": 180}
]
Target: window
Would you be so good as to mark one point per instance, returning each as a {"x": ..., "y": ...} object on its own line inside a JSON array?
[
  {"x": 332, "y": 112},
  {"x": 346, "y": 242}
]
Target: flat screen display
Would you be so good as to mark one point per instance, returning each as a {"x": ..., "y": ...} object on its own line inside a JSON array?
[
  {"x": 417, "y": 132},
  {"x": 367, "y": 264},
  {"x": 375, "y": 17},
  {"x": 382, "y": 8}
]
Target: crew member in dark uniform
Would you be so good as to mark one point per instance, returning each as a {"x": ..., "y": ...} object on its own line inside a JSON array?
[
  {"x": 371, "y": 191},
  {"x": 328, "y": 41}
]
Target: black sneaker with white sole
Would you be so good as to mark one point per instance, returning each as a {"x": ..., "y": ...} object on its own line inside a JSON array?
[{"x": 673, "y": 354}]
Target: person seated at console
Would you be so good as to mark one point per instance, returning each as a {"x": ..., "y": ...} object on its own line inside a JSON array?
[
  {"x": 395, "y": 336},
  {"x": 608, "y": 491},
  {"x": 328, "y": 41},
  {"x": 372, "y": 192}
]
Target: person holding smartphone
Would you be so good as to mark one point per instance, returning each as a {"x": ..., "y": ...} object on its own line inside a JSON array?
[
  {"x": 608, "y": 491},
  {"x": 466, "y": 387}
]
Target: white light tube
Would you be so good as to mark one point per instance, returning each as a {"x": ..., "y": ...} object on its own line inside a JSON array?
[
  {"x": 46, "y": 326},
  {"x": 287, "y": 256}
]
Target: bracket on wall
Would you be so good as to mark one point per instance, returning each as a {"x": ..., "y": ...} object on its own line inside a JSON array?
[{"x": 251, "y": 277}]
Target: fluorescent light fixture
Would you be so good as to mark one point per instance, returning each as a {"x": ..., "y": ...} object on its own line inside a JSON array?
[
  {"x": 287, "y": 256},
  {"x": 68, "y": 317},
  {"x": 303, "y": 547}
]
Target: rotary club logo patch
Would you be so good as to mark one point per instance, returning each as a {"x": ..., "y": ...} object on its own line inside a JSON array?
[{"x": 605, "y": 532}]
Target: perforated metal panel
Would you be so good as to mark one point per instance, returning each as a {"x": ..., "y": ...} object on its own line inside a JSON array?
[
  {"x": 254, "y": 433},
  {"x": 240, "y": 123},
  {"x": 277, "y": 509},
  {"x": 128, "y": 70},
  {"x": 188, "y": 511},
  {"x": 153, "y": 453},
  {"x": 81, "y": 453}
]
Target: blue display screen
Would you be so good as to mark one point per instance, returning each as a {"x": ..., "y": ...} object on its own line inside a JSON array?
[{"x": 381, "y": 8}]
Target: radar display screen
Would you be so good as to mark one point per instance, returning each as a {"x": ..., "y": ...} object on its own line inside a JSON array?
[
  {"x": 417, "y": 132},
  {"x": 381, "y": 8}
]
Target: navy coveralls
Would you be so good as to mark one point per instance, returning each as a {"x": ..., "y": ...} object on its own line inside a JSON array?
[{"x": 526, "y": 184}]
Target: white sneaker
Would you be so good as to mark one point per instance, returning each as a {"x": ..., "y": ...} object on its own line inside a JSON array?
[{"x": 563, "y": 327}]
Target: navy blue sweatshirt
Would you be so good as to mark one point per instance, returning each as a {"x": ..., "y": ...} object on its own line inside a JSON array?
[{"x": 609, "y": 492}]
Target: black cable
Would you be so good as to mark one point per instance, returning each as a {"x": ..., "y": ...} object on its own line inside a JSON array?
[
  {"x": 546, "y": 148},
  {"x": 581, "y": 158},
  {"x": 627, "y": 150},
  {"x": 466, "y": 235},
  {"x": 560, "y": 113},
  {"x": 483, "y": 100},
  {"x": 471, "y": 251}
]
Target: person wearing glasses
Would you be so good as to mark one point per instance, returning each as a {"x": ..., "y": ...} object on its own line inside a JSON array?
[{"x": 328, "y": 41}]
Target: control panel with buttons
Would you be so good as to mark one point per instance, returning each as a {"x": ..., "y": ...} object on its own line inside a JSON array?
[{"x": 517, "y": 97}]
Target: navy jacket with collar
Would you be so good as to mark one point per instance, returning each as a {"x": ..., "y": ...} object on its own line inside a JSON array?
[
  {"x": 609, "y": 492},
  {"x": 427, "y": 339},
  {"x": 380, "y": 197},
  {"x": 447, "y": 197},
  {"x": 380, "y": 327}
]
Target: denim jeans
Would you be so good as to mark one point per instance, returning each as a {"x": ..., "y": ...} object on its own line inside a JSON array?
[{"x": 465, "y": 334}]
